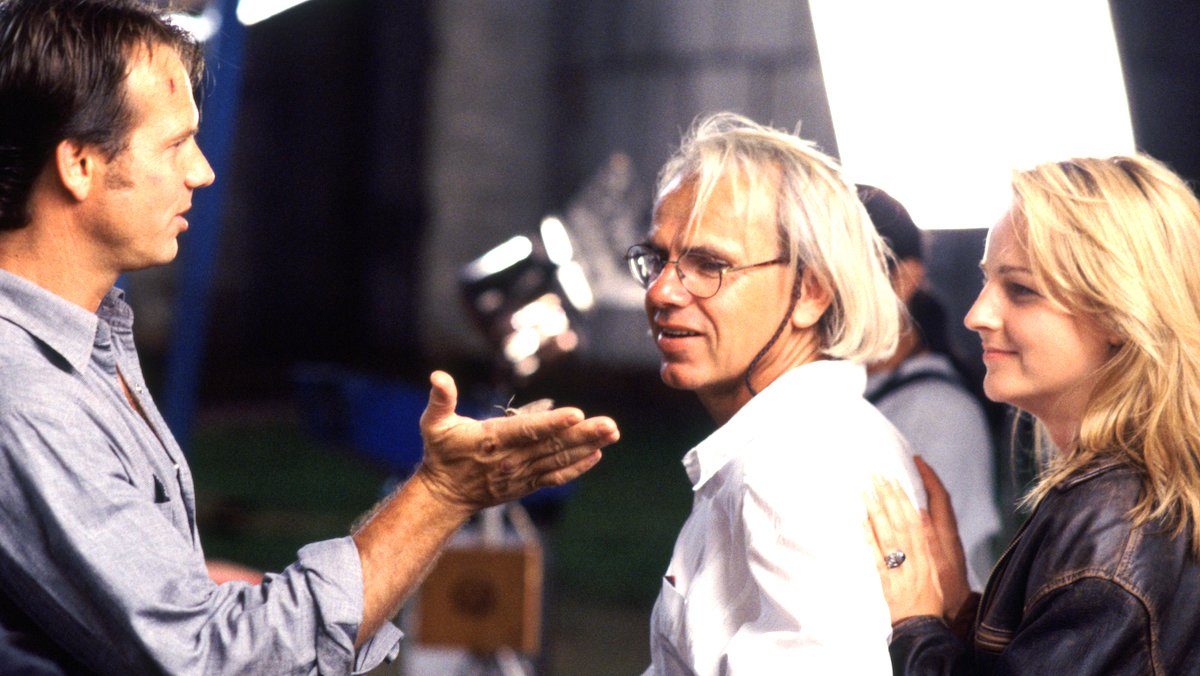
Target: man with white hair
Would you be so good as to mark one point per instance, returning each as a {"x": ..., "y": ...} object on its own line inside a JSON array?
[{"x": 767, "y": 292}]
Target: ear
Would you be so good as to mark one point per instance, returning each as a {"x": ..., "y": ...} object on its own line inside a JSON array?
[
  {"x": 76, "y": 165},
  {"x": 813, "y": 302},
  {"x": 908, "y": 276}
]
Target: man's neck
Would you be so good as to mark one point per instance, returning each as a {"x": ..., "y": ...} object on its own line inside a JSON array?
[
  {"x": 723, "y": 404},
  {"x": 51, "y": 261}
]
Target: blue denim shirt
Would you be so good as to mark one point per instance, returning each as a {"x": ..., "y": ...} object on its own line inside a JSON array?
[{"x": 101, "y": 566}]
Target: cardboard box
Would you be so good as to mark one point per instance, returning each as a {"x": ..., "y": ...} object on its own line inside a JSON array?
[{"x": 482, "y": 598}]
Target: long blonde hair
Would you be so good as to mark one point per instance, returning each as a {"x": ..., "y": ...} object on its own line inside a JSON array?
[{"x": 1117, "y": 240}]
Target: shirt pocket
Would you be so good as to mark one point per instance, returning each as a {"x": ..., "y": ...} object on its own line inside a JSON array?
[
  {"x": 167, "y": 501},
  {"x": 669, "y": 639}
]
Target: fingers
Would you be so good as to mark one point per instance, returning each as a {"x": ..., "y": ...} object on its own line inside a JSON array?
[
  {"x": 558, "y": 462},
  {"x": 552, "y": 431},
  {"x": 873, "y": 542},
  {"x": 941, "y": 511},
  {"x": 896, "y": 523},
  {"x": 887, "y": 520},
  {"x": 933, "y": 485},
  {"x": 598, "y": 432},
  {"x": 553, "y": 470},
  {"x": 941, "y": 529},
  {"x": 880, "y": 521},
  {"x": 929, "y": 531},
  {"x": 565, "y": 455},
  {"x": 530, "y": 428},
  {"x": 475, "y": 464},
  {"x": 880, "y": 531},
  {"x": 896, "y": 506},
  {"x": 902, "y": 557},
  {"x": 928, "y": 476},
  {"x": 577, "y": 462}
]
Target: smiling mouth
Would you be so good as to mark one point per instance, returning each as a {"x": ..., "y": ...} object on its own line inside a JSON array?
[{"x": 676, "y": 333}]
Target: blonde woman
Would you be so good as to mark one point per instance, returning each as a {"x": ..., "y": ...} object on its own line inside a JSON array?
[{"x": 1089, "y": 322}]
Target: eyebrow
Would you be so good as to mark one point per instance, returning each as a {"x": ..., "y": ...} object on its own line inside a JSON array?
[
  {"x": 1005, "y": 269},
  {"x": 698, "y": 251},
  {"x": 188, "y": 131},
  {"x": 705, "y": 251}
]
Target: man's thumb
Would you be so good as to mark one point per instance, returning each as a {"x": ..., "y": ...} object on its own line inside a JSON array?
[{"x": 443, "y": 397}]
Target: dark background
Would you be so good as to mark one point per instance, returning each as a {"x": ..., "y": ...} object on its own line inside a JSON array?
[{"x": 328, "y": 213}]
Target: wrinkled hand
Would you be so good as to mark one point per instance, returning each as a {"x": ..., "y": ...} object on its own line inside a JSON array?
[
  {"x": 941, "y": 530},
  {"x": 474, "y": 464},
  {"x": 912, "y": 588}
]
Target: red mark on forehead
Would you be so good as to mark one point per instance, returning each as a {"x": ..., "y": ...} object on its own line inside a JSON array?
[{"x": 171, "y": 84}]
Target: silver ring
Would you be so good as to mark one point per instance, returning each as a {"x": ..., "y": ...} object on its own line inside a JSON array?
[{"x": 894, "y": 559}]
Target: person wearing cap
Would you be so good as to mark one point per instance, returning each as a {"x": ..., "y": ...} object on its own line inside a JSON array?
[
  {"x": 766, "y": 293},
  {"x": 923, "y": 390}
]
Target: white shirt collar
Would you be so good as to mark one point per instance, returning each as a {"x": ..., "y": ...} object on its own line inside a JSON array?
[{"x": 814, "y": 379}]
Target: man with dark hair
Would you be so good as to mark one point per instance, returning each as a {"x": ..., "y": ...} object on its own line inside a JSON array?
[
  {"x": 52, "y": 92},
  {"x": 101, "y": 568}
]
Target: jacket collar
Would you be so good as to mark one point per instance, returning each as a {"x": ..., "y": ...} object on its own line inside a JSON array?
[{"x": 1090, "y": 472}]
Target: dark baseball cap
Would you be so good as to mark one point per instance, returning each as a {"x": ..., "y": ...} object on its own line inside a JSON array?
[{"x": 892, "y": 222}]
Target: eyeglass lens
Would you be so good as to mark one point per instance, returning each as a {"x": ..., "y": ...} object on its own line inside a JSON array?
[{"x": 696, "y": 272}]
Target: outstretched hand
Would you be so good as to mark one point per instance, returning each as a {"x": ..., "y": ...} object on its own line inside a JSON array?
[{"x": 475, "y": 464}]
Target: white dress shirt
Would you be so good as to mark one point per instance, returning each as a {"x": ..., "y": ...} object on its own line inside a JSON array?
[{"x": 773, "y": 572}]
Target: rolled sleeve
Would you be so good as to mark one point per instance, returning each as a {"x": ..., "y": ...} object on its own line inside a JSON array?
[{"x": 338, "y": 602}]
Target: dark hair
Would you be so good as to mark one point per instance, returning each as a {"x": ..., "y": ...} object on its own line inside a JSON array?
[
  {"x": 892, "y": 222},
  {"x": 63, "y": 66}
]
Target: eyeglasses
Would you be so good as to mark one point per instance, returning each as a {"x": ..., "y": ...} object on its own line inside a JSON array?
[{"x": 700, "y": 274}]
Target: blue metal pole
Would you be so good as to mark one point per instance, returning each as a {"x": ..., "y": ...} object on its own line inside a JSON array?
[{"x": 224, "y": 53}]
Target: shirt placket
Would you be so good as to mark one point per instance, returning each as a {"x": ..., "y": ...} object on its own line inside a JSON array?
[{"x": 117, "y": 355}]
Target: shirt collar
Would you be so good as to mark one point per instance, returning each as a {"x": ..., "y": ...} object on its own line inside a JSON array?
[
  {"x": 61, "y": 325},
  {"x": 820, "y": 379}
]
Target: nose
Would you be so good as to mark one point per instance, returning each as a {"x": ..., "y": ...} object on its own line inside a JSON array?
[
  {"x": 983, "y": 314},
  {"x": 200, "y": 172},
  {"x": 667, "y": 289}
]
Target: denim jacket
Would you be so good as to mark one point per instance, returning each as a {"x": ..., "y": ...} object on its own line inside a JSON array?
[{"x": 1079, "y": 591}]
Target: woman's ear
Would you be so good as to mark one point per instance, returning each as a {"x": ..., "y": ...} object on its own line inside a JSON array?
[
  {"x": 76, "y": 165},
  {"x": 813, "y": 302}
]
